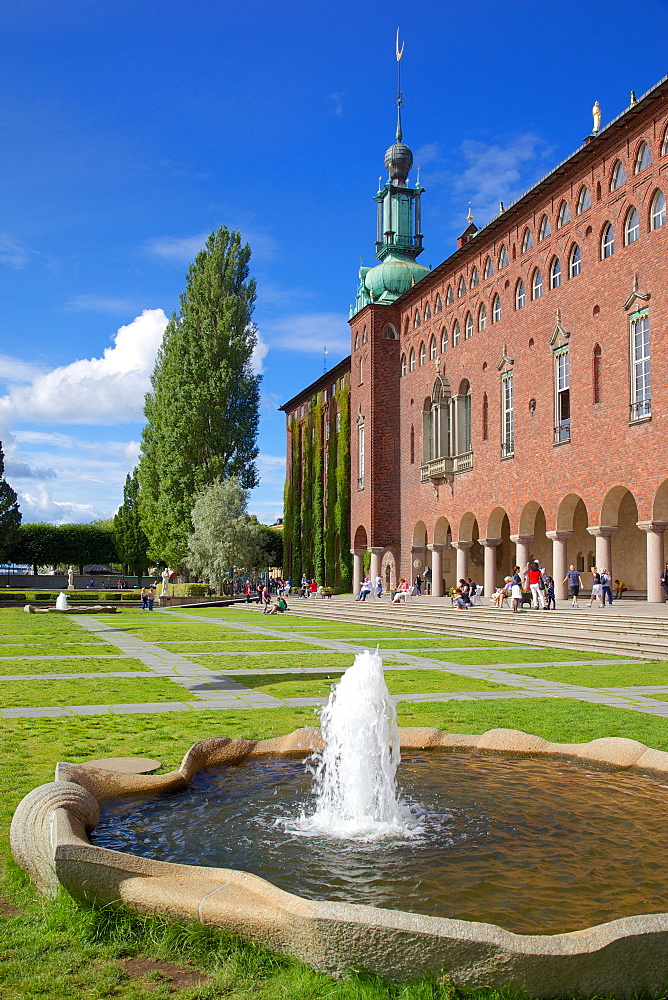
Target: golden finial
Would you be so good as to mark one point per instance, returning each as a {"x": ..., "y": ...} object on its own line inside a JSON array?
[
  {"x": 634, "y": 99},
  {"x": 501, "y": 208},
  {"x": 469, "y": 217}
]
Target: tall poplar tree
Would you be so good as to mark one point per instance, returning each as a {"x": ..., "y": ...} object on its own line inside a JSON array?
[
  {"x": 203, "y": 410},
  {"x": 10, "y": 514},
  {"x": 131, "y": 541}
]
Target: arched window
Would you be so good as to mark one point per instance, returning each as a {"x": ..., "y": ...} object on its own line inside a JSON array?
[
  {"x": 520, "y": 295},
  {"x": 357, "y": 341},
  {"x": 527, "y": 240},
  {"x": 564, "y": 214},
  {"x": 403, "y": 365},
  {"x": 436, "y": 441},
  {"x": 438, "y": 305},
  {"x": 461, "y": 288},
  {"x": 664, "y": 144},
  {"x": 468, "y": 327},
  {"x": 432, "y": 348},
  {"x": 449, "y": 296},
  {"x": 503, "y": 257},
  {"x": 537, "y": 284},
  {"x": 365, "y": 336},
  {"x": 444, "y": 340},
  {"x": 545, "y": 228},
  {"x": 412, "y": 360},
  {"x": 607, "y": 241},
  {"x": 427, "y": 312},
  {"x": 574, "y": 261},
  {"x": 482, "y": 317},
  {"x": 416, "y": 319},
  {"x": 596, "y": 375},
  {"x": 389, "y": 333},
  {"x": 423, "y": 354},
  {"x": 618, "y": 176},
  {"x": 485, "y": 417},
  {"x": 489, "y": 268},
  {"x": 555, "y": 273},
  {"x": 456, "y": 333},
  {"x": 644, "y": 157},
  {"x": 584, "y": 199},
  {"x": 657, "y": 211},
  {"x": 496, "y": 309},
  {"x": 461, "y": 420},
  {"x": 631, "y": 227},
  {"x": 475, "y": 278}
]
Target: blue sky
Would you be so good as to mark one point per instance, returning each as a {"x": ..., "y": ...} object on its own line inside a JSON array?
[{"x": 132, "y": 128}]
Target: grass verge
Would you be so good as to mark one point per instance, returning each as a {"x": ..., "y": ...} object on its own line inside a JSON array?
[
  {"x": 603, "y": 675},
  {"x": 540, "y": 654},
  {"x": 91, "y": 691},
  {"x": 80, "y": 665},
  {"x": 398, "y": 682}
]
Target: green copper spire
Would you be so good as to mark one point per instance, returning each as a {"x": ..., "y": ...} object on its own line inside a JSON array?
[{"x": 398, "y": 237}]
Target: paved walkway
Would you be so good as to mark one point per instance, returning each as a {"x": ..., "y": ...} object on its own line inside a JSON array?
[{"x": 220, "y": 689}]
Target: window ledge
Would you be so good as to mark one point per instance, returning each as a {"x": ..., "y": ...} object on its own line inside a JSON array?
[
  {"x": 505, "y": 458},
  {"x": 557, "y": 444},
  {"x": 640, "y": 420}
]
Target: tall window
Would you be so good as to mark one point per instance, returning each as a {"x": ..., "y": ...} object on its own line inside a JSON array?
[
  {"x": 449, "y": 296},
  {"x": 575, "y": 262},
  {"x": 444, "y": 340},
  {"x": 475, "y": 278},
  {"x": 360, "y": 457},
  {"x": 436, "y": 423},
  {"x": 562, "y": 395},
  {"x": 361, "y": 370},
  {"x": 456, "y": 333},
  {"x": 664, "y": 144},
  {"x": 596, "y": 374},
  {"x": 427, "y": 312},
  {"x": 618, "y": 176},
  {"x": 489, "y": 268},
  {"x": 461, "y": 420},
  {"x": 644, "y": 157},
  {"x": 657, "y": 211},
  {"x": 423, "y": 354},
  {"x": 520, "y": 295},
  {"x": 555, "y": 273},
  {"x": 412, "y": 363},
  {"x": 496, "y": 309},
  {"x": 607, "y": 241},
  {"x": 641, "y": 396},
  {"x": 482, "y": 318},
  {"x": 461, "y": 290},
  {"x": 485, "y": 417},
  {"x": 584, "y": 199},
  {"x": 416, "y": 318},
  {"x": 545, "y": 228},
  {"x": 564, "y": 214},
  {"x": 468, "y": 327},
  {"x": 537, "y": 284},
  {"x": 527, "y": 240},
  {"x": 412, "y": 445},
  {"x": 438, "y": 305},
  {"x": 403, "y": 364},
  {"x": 432, "y": 348},
  {"x": 631, "y": 227},
  {"x": 507, "y": 415},
  {"x": 503, "y": 257}
]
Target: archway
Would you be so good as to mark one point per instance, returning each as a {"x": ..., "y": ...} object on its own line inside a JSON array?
[
  {"x": 420, "y": 554},
  {"x": 628, "y": 544},
  {"x": 498, "y": 526},
  {"x": 470, "y": 554},
  {"x": 572, "y": 516},
  {"x": 532, "y": 522},
  {"x": 360, "y": 541}
]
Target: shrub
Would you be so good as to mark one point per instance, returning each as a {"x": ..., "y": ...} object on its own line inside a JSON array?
[{"x": 188, "y": 590}]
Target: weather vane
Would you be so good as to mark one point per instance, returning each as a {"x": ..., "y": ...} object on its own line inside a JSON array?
[{"x": 400, "y": 52}]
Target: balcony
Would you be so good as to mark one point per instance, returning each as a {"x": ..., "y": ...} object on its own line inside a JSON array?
[
  {"x": 640, "y": 410},
  {"x": 437, "y": 468},
  {"x": 462, "y": 463}
]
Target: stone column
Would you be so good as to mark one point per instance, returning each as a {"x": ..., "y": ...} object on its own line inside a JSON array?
[
  {"x": 462, "y": 559},
  {"x": 376, "y": 558},
  {"x": 490, "y": 545},
  {"x": 436, "y": 569},
  {"x": 559, "y": 561},
  {"x": 358, "y": 569},
  {"x": 522, "y": 543},
  {"x": 655, "y": 557},
  {"x": 603, "y": 533}
]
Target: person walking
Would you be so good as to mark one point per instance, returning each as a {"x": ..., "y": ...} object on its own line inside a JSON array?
[
  {"x": 606, "y": 586},
  {"x": 595, "y": 587},
  {"x": 418, "y": 585},
  {"x": 664, "y": 581},
  {"x": 549, "y": 592},
  {"x": 574, "y": 581},
  {"x": 379, "y": 586},
  {"x": 427, "y": 580},
  {"x": 144, "y": 598},
  {"x": 535, "y": 578}
]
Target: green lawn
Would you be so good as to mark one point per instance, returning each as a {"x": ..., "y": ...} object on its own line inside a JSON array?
[
  {"x": 262, "y": 645},
  {"x": 540, "y": 654},
  {"x": 246, "y": 661},
  {"x": 105, "y": 691},
  {"x": 60, "y": 649},
  {"x": 82, "y": 665},
  {"x": 603, "y": 675},
  {"x": 398, "y": 682}
]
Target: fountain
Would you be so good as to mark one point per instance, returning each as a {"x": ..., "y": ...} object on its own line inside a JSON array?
[{"x": 357, "y": 806}]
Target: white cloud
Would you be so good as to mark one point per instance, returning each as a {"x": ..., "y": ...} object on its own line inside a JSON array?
[
  {"x": 15, "y": 370},
  {"x": 12, "y": 252},
  {"x": 40, "y": 506},
  {"x": 271, "y": 468},
  {"x": 106, "y": 390},
  {"x": 309, "y": 332},
  {"x": 21, "y": 470},
  {"x": 260, "y": 352},
  {"x": 101, "y": 303}
]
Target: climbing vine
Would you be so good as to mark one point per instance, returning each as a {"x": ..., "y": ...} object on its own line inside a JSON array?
[
  {"x": 318, "y": 495},
  {"x": 342, "y": 510}
]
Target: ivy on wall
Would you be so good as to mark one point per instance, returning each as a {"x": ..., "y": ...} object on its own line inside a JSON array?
[{"x": 317, "y": 506}]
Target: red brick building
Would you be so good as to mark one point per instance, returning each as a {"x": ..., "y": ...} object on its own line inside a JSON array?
[{"x": 513, "y": 402}]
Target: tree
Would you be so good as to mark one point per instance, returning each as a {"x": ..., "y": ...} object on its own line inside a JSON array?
[
  {"x": 10, "y": 515},
  {"x": 202, "y": 411},
  {"x": 54, "y": 545},
  {"x": 272, "y": 544},
  {"x": 131, "y": 541},
  {"x": 224, "y": 536}
]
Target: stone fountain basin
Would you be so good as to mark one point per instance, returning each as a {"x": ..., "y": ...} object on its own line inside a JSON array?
[{"x": 49, "y": 840}]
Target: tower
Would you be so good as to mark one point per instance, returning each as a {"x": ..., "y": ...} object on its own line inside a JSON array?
[{"x": 398, "y": 236}]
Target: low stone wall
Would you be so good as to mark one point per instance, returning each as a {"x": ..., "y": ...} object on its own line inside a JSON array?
[{"x": 48, "y": 838}]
